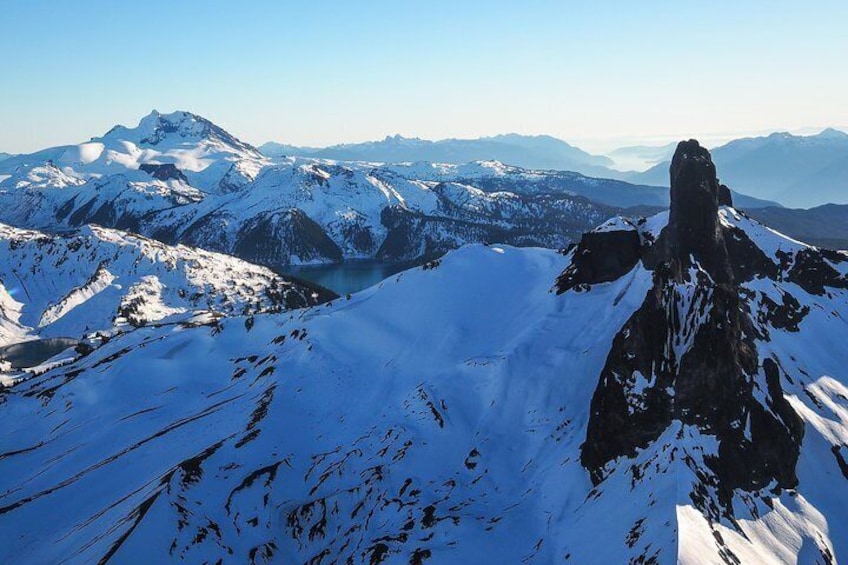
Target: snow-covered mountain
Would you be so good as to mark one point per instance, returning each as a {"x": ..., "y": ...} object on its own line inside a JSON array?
[
  {"x": 669, "y": 390},
  {"x": 187, "y": 154},
  {"x": 96, "y": 279},
  {"x": 309, "y": 211},
  {"x": 527, "y": 151},
  {"x": 796, "y": 171},
  {"x": 181, "y": 179}
]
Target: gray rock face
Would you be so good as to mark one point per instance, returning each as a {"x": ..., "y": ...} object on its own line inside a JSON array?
[{"x": 167, "y": 171}]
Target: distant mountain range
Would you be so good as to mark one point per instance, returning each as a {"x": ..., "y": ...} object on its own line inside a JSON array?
[
  {"x": 526, "y": 151},
  {"x": 4, "y": 156},
  {"x": 797, "y": 171},
  {"x": 825, "y": 226},
  {"x": 793, "y": 170},
  {"x": 179, "y": 178},
  {"x": 641, "y": 157}
]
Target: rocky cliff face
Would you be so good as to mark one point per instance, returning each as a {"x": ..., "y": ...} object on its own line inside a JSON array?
[{"x": 688, "y": 354}]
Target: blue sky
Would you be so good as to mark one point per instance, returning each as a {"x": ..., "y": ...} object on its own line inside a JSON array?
[{"x": 595, "y": 72}]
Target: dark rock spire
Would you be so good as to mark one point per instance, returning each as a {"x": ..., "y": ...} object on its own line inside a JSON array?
[
  {"x": 650, "y": 382},
  {"x": 694, "y": 196},
  {"x": 693, "y": 231}
]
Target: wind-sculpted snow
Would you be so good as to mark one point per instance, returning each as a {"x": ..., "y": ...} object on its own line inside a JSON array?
[
  {"x": 94, "y": 279},
  {"x": 438, "y": 417}
]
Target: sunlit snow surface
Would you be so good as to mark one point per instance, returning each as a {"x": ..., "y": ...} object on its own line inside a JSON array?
[
  {"x": 96, "y": 278},
  {"x": 438, "y": 416}
]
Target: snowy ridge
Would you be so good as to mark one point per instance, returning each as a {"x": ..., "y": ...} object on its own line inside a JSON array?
[
  {"x": 82, "y": 282},
  {"x": 199, "y": 149}
]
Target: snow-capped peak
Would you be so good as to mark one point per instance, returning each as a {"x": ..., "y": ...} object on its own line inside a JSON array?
[{"x": 176, "y": 128}]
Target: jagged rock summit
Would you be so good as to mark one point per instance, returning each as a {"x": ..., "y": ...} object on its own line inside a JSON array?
[
  {"x": 688, "y": 354},
  {"x": 693, "y": 226}
]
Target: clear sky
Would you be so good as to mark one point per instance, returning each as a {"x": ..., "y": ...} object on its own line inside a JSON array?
[{"x": 596, "y": 72}]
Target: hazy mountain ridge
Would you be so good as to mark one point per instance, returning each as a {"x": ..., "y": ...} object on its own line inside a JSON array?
[
  {"x": 825, "y": 226},
  {"x": 529, "y": 152},
  {"x": 797, "y": 171}
]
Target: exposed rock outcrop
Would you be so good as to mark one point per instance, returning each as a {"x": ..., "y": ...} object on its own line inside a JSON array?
[
  {"x": 601, "y": 256},
  {"x": 166, "y": 171},
  {"x": 688, "y": 354}
]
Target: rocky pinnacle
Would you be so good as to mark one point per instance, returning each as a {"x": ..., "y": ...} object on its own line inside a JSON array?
[{"x": 716, "y": 383}]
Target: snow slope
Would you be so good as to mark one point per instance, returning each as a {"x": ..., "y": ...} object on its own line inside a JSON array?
[{"x": 440, "y": 416}]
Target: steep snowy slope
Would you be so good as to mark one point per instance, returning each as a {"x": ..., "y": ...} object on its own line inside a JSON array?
[
  {"x": 95, "y": 278},
  {"x": 671, "y": 390},
  {"x": 826, "y": 225}
]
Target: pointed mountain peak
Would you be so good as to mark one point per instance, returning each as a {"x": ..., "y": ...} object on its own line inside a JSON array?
[
  {"x": 694, "y": 230},
  {"x": 693, "y": 339}
]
